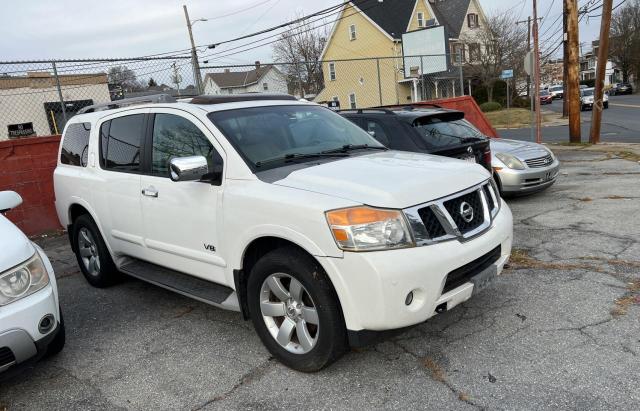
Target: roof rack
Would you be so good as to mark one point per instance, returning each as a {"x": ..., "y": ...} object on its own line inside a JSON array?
[
  {"x": 361, "y": 110},
  {"x": 125, "y": 102},
  {"x": 233, "y": 98}
]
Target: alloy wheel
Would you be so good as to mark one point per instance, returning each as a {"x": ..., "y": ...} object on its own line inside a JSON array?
[
  {"x": 88, "y": 249},
  {"x": 289, "y": 313}
]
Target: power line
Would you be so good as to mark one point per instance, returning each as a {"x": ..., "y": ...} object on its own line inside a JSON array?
[{"x": 237, "y": 11}]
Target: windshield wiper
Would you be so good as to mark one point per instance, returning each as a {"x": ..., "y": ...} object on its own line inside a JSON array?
[
  {"x": 351, "y": 147},
  {"x": 297, "y": 156}
]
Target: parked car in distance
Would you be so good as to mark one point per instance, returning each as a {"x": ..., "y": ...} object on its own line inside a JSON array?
[
  {"x": 424, "y": 130},
  {"x": 280, "y": 209},
  {"x": 621, "y": 88},
  {"x": 545, "y": 97},
  {"x": 31, "y": 323},
  {"x": 557, "y": 91},
  {"x": 586, "y": 99},
  {"x": 522, "y": 167}
]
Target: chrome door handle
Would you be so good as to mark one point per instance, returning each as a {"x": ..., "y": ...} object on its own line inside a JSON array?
[{"x": 150, "y": 191}]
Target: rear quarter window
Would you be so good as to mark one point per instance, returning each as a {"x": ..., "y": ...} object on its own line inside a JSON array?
[{"x": 75, "y": 145}]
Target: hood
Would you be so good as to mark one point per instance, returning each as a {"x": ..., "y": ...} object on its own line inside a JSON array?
[
  {"x": 16, "y": 247},
  {"x": 523, "y": 150},
  {"x": 392, "y": 179}
]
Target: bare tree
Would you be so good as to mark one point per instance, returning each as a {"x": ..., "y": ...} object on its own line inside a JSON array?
[
  {"x": 124, "y": 77},
  {"x": 496, "y": 45},
  {"x": 299, "y": 50},
  {"x": 625, "y": 39}
]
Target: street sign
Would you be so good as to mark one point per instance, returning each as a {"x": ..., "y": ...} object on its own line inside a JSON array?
[
  {"x": 506, "y": 74},
  {"x": 528, "y": 63}
]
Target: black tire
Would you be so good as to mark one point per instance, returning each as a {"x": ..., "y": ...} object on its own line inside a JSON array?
[
  {"x": 57, "y": 344},
  {"x": 331, "y": 338},
  {"x": 107, "y": 274}
]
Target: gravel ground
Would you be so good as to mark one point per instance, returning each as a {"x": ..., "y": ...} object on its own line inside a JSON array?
[{"x": 560, "y": 329}]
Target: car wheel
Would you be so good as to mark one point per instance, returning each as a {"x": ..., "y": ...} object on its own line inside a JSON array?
[
  {"x": 295, "y": 310},
  {"x": 57, "y": 344},
  {"x": 92, "y": 254}
]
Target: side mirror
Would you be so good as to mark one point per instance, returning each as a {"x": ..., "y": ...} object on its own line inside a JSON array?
[
  {"x": 372, "y": 133},
  {"x": 188, "y": 168},
  {"x": 9, "y": 200}
]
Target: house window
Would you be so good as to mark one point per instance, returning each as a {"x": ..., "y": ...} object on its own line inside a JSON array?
[
  {"x": 457, "y": 53},
  {"x": 332, "y": 71},
  {"x": 420, "y": 19},
  {"x": 474, "y": 52},
  {"x": 472, "y": 20},
  {"x": 352, "y": 101},
  {"x": 352, "y": 32},
  {"x": 334, "y": 98},
  {"x": 265, "y": 86}
]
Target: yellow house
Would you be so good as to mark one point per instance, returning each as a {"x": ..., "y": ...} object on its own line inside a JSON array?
[{"x": 362, "y": 59}]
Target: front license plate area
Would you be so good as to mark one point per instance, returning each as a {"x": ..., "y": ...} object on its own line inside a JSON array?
[{"x": 483, "y": 279}]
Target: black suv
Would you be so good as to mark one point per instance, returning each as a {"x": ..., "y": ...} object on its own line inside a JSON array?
[{"x": 433, "y": 131}]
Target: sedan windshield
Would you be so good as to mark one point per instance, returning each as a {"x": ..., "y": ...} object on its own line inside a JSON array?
[
  {"x": 273, "y": 136},
  {"x": 439, "y": 133},
  {"x": 587, "y": 93}
]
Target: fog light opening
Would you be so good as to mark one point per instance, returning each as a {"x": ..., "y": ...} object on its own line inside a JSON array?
[
  {"x": 46, "y": 324},
  {"x": 441, "y": 308},
  {"x": 409, "y": 299}
]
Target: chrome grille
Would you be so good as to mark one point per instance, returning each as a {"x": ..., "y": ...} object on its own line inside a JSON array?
[
  {"x": 443, "y": 219},
  {"x": 540, "y": 161}
]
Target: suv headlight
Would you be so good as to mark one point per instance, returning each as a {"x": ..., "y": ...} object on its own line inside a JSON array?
[
  {"x": 367, "y": 229},
  {"x": 23, "y": 280},
  {"x": 510, "y": 161}
]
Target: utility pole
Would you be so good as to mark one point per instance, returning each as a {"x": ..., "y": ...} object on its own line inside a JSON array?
[
  {"x": 530, "y": 94},
  {"x": 565, "y": 58},
  {"x": 572, "y": 64},
  {"x": 536, "y": 72},
  {"x": 194, "y": 55},
  {"x": 601, "y": 66}
]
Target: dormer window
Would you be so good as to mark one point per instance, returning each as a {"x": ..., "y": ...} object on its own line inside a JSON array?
[
  {"x": 352, "y": 32},
  {"x": 472, "y": 20},
  {"x": 420, "y": 19}
]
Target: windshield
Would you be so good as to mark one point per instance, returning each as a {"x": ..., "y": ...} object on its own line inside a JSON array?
[
  {"x": 544, "y": 93},
  {"x": 273, "y": 136},
  {"x": 555, "y": 88},
  {"x": 586, "y": 93},
  {"x": 439, "y": 133}
]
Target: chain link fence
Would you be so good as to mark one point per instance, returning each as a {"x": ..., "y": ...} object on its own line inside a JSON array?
[
  {"x": 38, "y": 97},
  {"x": 353, "y": 83}
]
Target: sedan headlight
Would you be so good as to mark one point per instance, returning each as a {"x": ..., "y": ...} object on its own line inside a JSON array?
[
  {"x": 367, "y": 229},
  {"x": 510, "y": 161},
  {"x": 23, "y": 280}
]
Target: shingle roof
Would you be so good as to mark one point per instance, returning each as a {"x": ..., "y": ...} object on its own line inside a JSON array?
[
  {"x": 393, "y": 15},
  {"x": 451, "y": 14},
  {"x": 239, "y": 78}
]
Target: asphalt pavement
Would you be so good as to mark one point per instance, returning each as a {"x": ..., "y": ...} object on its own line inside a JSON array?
[
  {"x": 620, "y": 123},
  {"x": 559, "y": 329}
]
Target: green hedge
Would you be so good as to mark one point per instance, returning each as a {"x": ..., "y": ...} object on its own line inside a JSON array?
[{"x": 490, "y": 106}]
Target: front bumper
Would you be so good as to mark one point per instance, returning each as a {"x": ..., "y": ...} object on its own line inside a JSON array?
[
  {"x": 529, "y": 180},
  {"x": 372, "y": 286},
  {"x": 19, "y": 323}
]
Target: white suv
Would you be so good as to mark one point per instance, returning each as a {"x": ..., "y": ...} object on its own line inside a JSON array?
[
  {"x": 31, "y": 323},
  {"x": 282, "y": 210}
]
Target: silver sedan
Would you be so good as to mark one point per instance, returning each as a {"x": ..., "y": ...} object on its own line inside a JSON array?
[{"x": 521, "y": 167}]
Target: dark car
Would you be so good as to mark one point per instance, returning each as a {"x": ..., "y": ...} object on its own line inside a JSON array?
[
  {"x": 433, "y": 131},
  {"x": 622, "y": 88},
  {"x": 545, "y": 97}
]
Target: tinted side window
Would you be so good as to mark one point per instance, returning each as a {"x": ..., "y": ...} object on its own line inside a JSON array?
[
  {"x": 75, "y": 145},
  {"x": 124, "y": 142},
  {"x": 375, "y": 129},
  {"x": 174, "y": 136}
]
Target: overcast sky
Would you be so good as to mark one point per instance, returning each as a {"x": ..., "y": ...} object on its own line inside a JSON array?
[{"x": 39, "y": 29}]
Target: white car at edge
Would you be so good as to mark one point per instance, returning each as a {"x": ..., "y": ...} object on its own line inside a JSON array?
[
  {"x": 30, "y": 320},
  {"x": 282, "y": 210}
]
